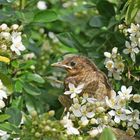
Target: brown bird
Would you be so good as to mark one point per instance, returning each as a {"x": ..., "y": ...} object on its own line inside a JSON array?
[{"x": 82, "y": 71}]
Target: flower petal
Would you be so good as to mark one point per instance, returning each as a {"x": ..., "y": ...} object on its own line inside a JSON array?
[
  {"x": 117, "y": 119},
  {"x": 71, "y": 86},
  {"x": 77, "y": 113},
  {"x": 67, "y": 92},
  {"x": 90, "y": 114},
  {"x": 129, "y": 90}
]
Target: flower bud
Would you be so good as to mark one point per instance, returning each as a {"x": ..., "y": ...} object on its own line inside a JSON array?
[
  {"x": 124, "y": 124},
  {"x": 114, "y": 50},
  {"x": 136, "y": 98},
  {"x": 47, "y": 128},
  {"x": 107, "y": 54},
  {"x": 51, "y": 113},
  {"x": 14, "y": 26},
  {"x": 93, "y": 121},
  {"x": 33, "y": 113},
  {"x": 37, "y": 134},
  {"x": 3, "y": 27}
]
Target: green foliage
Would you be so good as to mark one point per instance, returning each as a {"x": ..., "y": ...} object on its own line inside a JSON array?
[
  {"x": 87, "y": 29},
  {"x": 107, "y": 134}
]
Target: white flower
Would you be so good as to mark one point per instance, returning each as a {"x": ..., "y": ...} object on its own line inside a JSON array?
[
  {"x": 2, "y": 104},
  {"x": 15, "y": 26},
  {"x": 96, "y": 130},
  {"x": 134, "y": 120},
  {"x": 131, "y": 49},
  {"x": 72, "y": 131},
  {"x": 41, "y": 5},
  {"x": 67, "y": 123},
  {"x": 4, "y": 135},
  {"x": 3, "y": 27},
  {"x": 73, "y": 91},
  {"x": 3, "y": 94},
  {"x": 3, "y": 91},
  {"x": 133, "y": 29},
  {"x": 114, "y": 50},
  {"x": 112, "y": 101},
  {"x": 5, "y": 35},
  {"x": 83, "y": 112},
  {"x": 118, "y": 115},
  {"x": 134, "y": 123},
  {"x": 85, "y": 99},
  {"x": 17, "y": 45},
  {"x": 125, "y": 92},
  {"x": 107, "y": 54},
  {"x": 110, "y": 65},
  {"x": 119, "y": 66}
]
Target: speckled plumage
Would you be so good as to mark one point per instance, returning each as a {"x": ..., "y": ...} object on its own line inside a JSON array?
[{"x": 82, "y": 71}]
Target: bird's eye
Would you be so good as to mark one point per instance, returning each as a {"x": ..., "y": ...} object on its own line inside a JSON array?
[{"x": 72, "y": 63}]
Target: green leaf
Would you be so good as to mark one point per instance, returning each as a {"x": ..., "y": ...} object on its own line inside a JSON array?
[
  {"x": 96, "y": 21},
  {"x": 105, "y": 8},
  {"x": 69, "y": 39},
  {"x": 25, "y": 17},
  {"x": 18, "y": 86},
  {"x": 6, "y": 81},
  {"x": 132, "y": 10},
  {"x": 4, "y": 117},
  {"x": 15, "y": 115},
  {"x": 36, "y": 78},
  {"x": 45, "y": 16},
  {"x": 32, "y": 90},
  {"x": 9, "y": 127},
  {"x": 107, "y": 134}
]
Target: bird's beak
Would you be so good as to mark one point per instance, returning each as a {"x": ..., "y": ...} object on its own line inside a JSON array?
[{"x": 60, "y": 65}]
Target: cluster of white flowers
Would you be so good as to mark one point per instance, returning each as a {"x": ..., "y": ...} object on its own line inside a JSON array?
[
  {"x": 96, "y": 115},
  {"x": 133, "y": 45},
  {"x": 3, "y": 95},
  {"x": 10, "y": 39},
  {"x": 114, "y": 63}
]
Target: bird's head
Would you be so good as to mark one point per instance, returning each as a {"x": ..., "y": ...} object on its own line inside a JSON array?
[{"x": 75, "y": 64}]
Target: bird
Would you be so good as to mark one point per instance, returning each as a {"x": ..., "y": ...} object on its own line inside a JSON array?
[{"x": 81, "y": 70}]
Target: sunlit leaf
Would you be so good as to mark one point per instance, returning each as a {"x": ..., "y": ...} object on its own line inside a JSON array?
[
  {"x": 45, "y": 16},
  {"x": 35, "y": 77},
  {"x": 6, "y": 81},
  {"x": 4, "y": 117}
]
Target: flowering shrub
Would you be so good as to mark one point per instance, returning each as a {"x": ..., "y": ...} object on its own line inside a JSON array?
[
  {"x": 95, "y": 115},
  {"x": 34, "y": 34}
]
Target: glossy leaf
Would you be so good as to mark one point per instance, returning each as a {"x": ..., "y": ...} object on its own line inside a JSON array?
[
  {"x": 35, "y": 77},
  {"x": 4, "y": 117},
  {"x": 32, "y": 90},
  {"x": 45, "y": 16}
]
